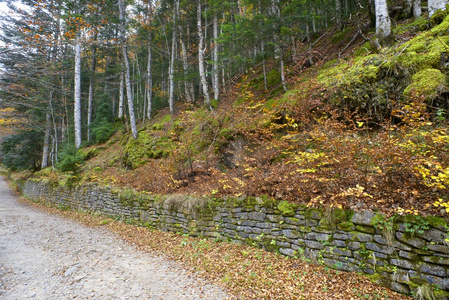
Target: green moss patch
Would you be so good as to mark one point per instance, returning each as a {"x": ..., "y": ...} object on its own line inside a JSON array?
[
  {"x": 429, "y": 83},
  {"x": 287, "y": 208}
]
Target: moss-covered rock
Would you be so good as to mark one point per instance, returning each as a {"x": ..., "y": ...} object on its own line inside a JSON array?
[
  {"x": 429, "y": 83},
  {"x": 287, "y": 208}
]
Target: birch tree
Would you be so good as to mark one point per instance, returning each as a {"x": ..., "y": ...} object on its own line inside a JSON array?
[
  {"x": 276, "y": 12},
  {"x": 417, "y": 11},
  {"x": 91, "y": 88},
  {"x": 172, "y": 60},
  {"x": 121, "y": 98},
  {"x": 132, "y": 117},
  {"x": 201, "y": 51},
  {"x": 215, "y": 78},
  {"x": 77, "y": 93},
  {"x": 435, "y": 5},
  {"x": 383, "y": 23}
]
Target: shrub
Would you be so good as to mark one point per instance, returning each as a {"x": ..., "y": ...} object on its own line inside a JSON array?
[{"x": 70, "y": 159}]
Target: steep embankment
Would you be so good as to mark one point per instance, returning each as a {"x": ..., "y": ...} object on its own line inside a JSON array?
[{"x": 365, "y": 132}]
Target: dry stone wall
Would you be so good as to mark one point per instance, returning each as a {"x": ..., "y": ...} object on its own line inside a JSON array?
[{"x": 402, "y": 255}]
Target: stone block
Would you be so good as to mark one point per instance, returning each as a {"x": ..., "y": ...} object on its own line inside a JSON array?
[
  {"x": 322, "y": 237},
  {"x": 339, "y": 243},
  {"x": 230, "y": 226},
  {"x": 314, "y": 245},
  {"x": 366, "y": 229},
  {"x": 257, "y": 216},
  {"x": 362, "y": 237},
  {"x": 275, "y": 218},
  {"x": 311, "y": 223},
  {"x": 243, "y": 235},
  {"x": 248, "y": 229},
  {"x": 241, "y": 215},
  {"x": 283, "y": 244},
  {"x": 287, "y": 251},
  {"x": 246, "y": 223},
  {"x": 438, "y": 248},
  {"x": 342, "y": 236},
  {"x": 432, "y": 269},
  {"x": 400, "y": 287},
  {"x": 338, "y": 251},
  {"x": 403, "y": 263},
  {"x": 434, "y": 235},
  {"x": 379, "y": 248},
  {"x": 310, "y": 236},
  {"x": 408, "y": 255},
  {"x": 354, "y": 245},
  {"x": 263, "y": 225},
  {"x": 414, "y": 242},
  {"x": 436, "y": 260},
  {"x": 363, "y": 217},
  {"x": 291, "y": 234}
]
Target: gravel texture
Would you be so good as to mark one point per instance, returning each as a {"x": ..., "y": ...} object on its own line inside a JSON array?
[{"x": 43, "y": 256}]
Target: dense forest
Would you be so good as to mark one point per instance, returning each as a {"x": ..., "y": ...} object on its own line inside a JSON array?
[
  {"x": 72, "y": 67},
  {"x": 333, "y": 101}
]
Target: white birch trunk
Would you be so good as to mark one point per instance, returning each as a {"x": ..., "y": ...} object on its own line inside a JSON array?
[
  {"x": 201, "y": 57},
  {"x": 77, "y": 98},
  {"x": 132, "y": 117},
  {"x": 383, "y": 23},
  {"x": 46, "y": 147},
  {"x": 215, "y": 65},
  {"x": 121, "y": 100},
  {"x": 91, "y": 90},
  {"x": 149, "y": 77},
  {"x": 171, "y": 70},
  {"x": 264, "y": 67},
  {"x": 277, "y": 47},
  {"x": 435, "y": 5},
  {"x": 417, "y": 11}
]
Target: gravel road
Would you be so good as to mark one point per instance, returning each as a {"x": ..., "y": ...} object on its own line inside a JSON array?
[{"x": 43, "y": 256}]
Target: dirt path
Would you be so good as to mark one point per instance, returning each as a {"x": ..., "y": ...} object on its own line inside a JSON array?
[{"x": 43, "y": 256}]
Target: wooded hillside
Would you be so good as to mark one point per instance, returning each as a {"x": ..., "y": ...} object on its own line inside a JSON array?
[{"x": 331, "y": 102}]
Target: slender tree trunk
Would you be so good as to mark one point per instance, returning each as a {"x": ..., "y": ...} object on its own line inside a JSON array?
[
  {"x": 338, "y": 15},
  {"x": 141, "y": 104},
  {"x": 201, "y": 51},
  {"x": 407, "y": 9},
  {"x": 383, "y": 24},
  {"x": 372, "y": 12},
  {"x": 47, "y": 137},
  {"x": 77, "y": 99},
  {"x": 172, "y": 62},
  {"x": 55, "y": 142},
  {"x": 417, "y": 11},
  {"x": 294, "y": 50},
  {"x": 215, "y": 65},
  {"x": 149, "y": 76},
  {"x": 188, "y": 86},
  {"x": 132, "y": 117},
  {"x": 435, "y": 5},
  {"x": 264, "y": 66},
  {"x": 121, "y": 98},
  {"x": 91, "y": 88},
  {"x": 277, "y": 47}
]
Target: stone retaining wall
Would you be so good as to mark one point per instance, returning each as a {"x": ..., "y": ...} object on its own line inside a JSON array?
[{"x": 403, "y": 255}]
